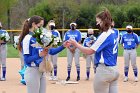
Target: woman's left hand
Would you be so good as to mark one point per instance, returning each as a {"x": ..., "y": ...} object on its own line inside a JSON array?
[
  {"x": 47, "y": 49},
  {"x": 73, "y": 42}
]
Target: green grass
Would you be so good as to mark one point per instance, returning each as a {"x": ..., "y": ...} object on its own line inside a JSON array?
[{"x": 13, "y": 53}]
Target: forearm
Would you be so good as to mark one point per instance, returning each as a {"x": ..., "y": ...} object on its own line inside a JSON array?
[
  {"x": 85, "y": 50},
  {"x": 53, "y": 51}
]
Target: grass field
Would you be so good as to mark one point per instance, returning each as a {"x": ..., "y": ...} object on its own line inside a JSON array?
[{"x": 13, "y": 53}]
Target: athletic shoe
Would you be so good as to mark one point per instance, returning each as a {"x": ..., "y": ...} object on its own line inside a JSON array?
[
  {"x": 125, "y": 79},
  {"x": 68, "y": 78},
  {"x": 51, "y": 78},
  {"x": 55, "y": 78},
  {"x": 78, "y": 78},
  {"x": 87, "y": 78},
  {"x": 3, "y": 79},
  {"x": 136, "y": 79}
]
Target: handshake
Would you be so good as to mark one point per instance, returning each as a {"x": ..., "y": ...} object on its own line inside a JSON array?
[
  {"x": 69, "y": 43},
  {"x": 66, "y": 44}
]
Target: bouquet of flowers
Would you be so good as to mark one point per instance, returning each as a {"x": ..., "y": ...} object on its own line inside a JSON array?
[
  {"x": 44, "y": 40},
  {"x": 56, "y": 42},
  {"x": 16, "y": 40},
  {"x": 5, "y": 37}
]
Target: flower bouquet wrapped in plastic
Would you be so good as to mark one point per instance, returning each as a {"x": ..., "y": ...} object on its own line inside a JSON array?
[
  {"x": 5, "y": 37},
  {"x": 44, "y": 40}
]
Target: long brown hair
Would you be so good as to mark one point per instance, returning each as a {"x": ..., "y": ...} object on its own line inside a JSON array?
[
  {"x": 26, "y": 26},
  {"x": 106, "y": 18}
]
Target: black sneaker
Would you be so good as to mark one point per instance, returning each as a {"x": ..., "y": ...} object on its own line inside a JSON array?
[
  {"x": 78, "y": 78},
  {"x": 68, "y": 78}
]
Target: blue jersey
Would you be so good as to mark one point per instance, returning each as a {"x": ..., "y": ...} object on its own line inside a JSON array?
[
  {"x": 55, "y": 33},
  {"x": 88, "y": 42},
  {"x": 74, "y": 34},
  {"x": 106, "y": 47},
  {"x": 30, "y": 51},
  {"x": 2, "y": 31},
  {"x": 130, "y": 41}
]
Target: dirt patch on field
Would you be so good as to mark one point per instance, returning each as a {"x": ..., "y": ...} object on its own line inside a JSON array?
[{"x": 13, "y": 85}]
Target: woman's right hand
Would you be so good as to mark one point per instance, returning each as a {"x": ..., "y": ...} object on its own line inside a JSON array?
[
  {"x": 43, "y": 53},
  {"x": 1, "y": 41}
]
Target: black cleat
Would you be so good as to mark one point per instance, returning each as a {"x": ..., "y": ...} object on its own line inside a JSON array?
[
  {"x": 68, "y": 78},
  {"x": 78, "y": 78}
]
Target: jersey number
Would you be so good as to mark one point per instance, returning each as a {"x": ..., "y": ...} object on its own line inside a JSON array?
[{"x": 115, "y": 47}]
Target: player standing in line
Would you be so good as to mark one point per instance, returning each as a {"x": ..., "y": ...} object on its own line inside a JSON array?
[
  {"x": 88, "y": 41},
  {"x": 57, "y": 40},
  {"x": 3, "y": 53},
  {"x": 130, "y": 42},
  {"x": 105, "y": 49},
  {"x": 33, "y": 56},
  {"x": 72, "y": 51},
  {"x": 23, "y": 67},
  {"x": 16, "y": 41}
]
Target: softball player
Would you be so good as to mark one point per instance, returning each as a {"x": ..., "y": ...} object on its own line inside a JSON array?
[
  {"x": 105, "y": 49},
  {"x": 33, "y": 56},
  {"x": 57, "y": 40},
  {"x": 130, "y": 42},
  {"x": 89, "y": 58},
  {"x": 3, "y": 54},
  {"x": 73, "y": 51},
  {"x": 16, "y": 41}
]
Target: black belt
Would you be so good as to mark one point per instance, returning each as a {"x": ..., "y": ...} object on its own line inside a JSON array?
[{"x": 129, "y": 48}]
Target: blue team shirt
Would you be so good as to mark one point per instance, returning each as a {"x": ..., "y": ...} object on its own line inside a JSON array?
[
  {"x": 87, "y": 40},
  {"x": 55, "y": 34},
  {"x": 130, "y": 41},
  {"x": 106, "y": 47},
  {"x": 74, "y": 34},
  {"x": 30, "y": 51},
  {"x": 2, "y": 31}
]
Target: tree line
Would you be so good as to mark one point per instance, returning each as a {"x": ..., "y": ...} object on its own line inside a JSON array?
[{"x": 64, "y": 12}]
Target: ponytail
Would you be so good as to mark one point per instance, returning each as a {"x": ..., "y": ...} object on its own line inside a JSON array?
[{"x": 24, "y": 32}]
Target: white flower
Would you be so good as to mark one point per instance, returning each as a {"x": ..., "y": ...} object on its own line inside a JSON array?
[
  {"x": 55, "y": 41},
  {"x": 7, "y": 36},
  {"x": 46, "y": 40},
  {"x": 3, "y": 35},
  {"x": 49, "y": 34},
  {"x": 41, "y": 36},
  {"x": 37, "y": 31}
]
